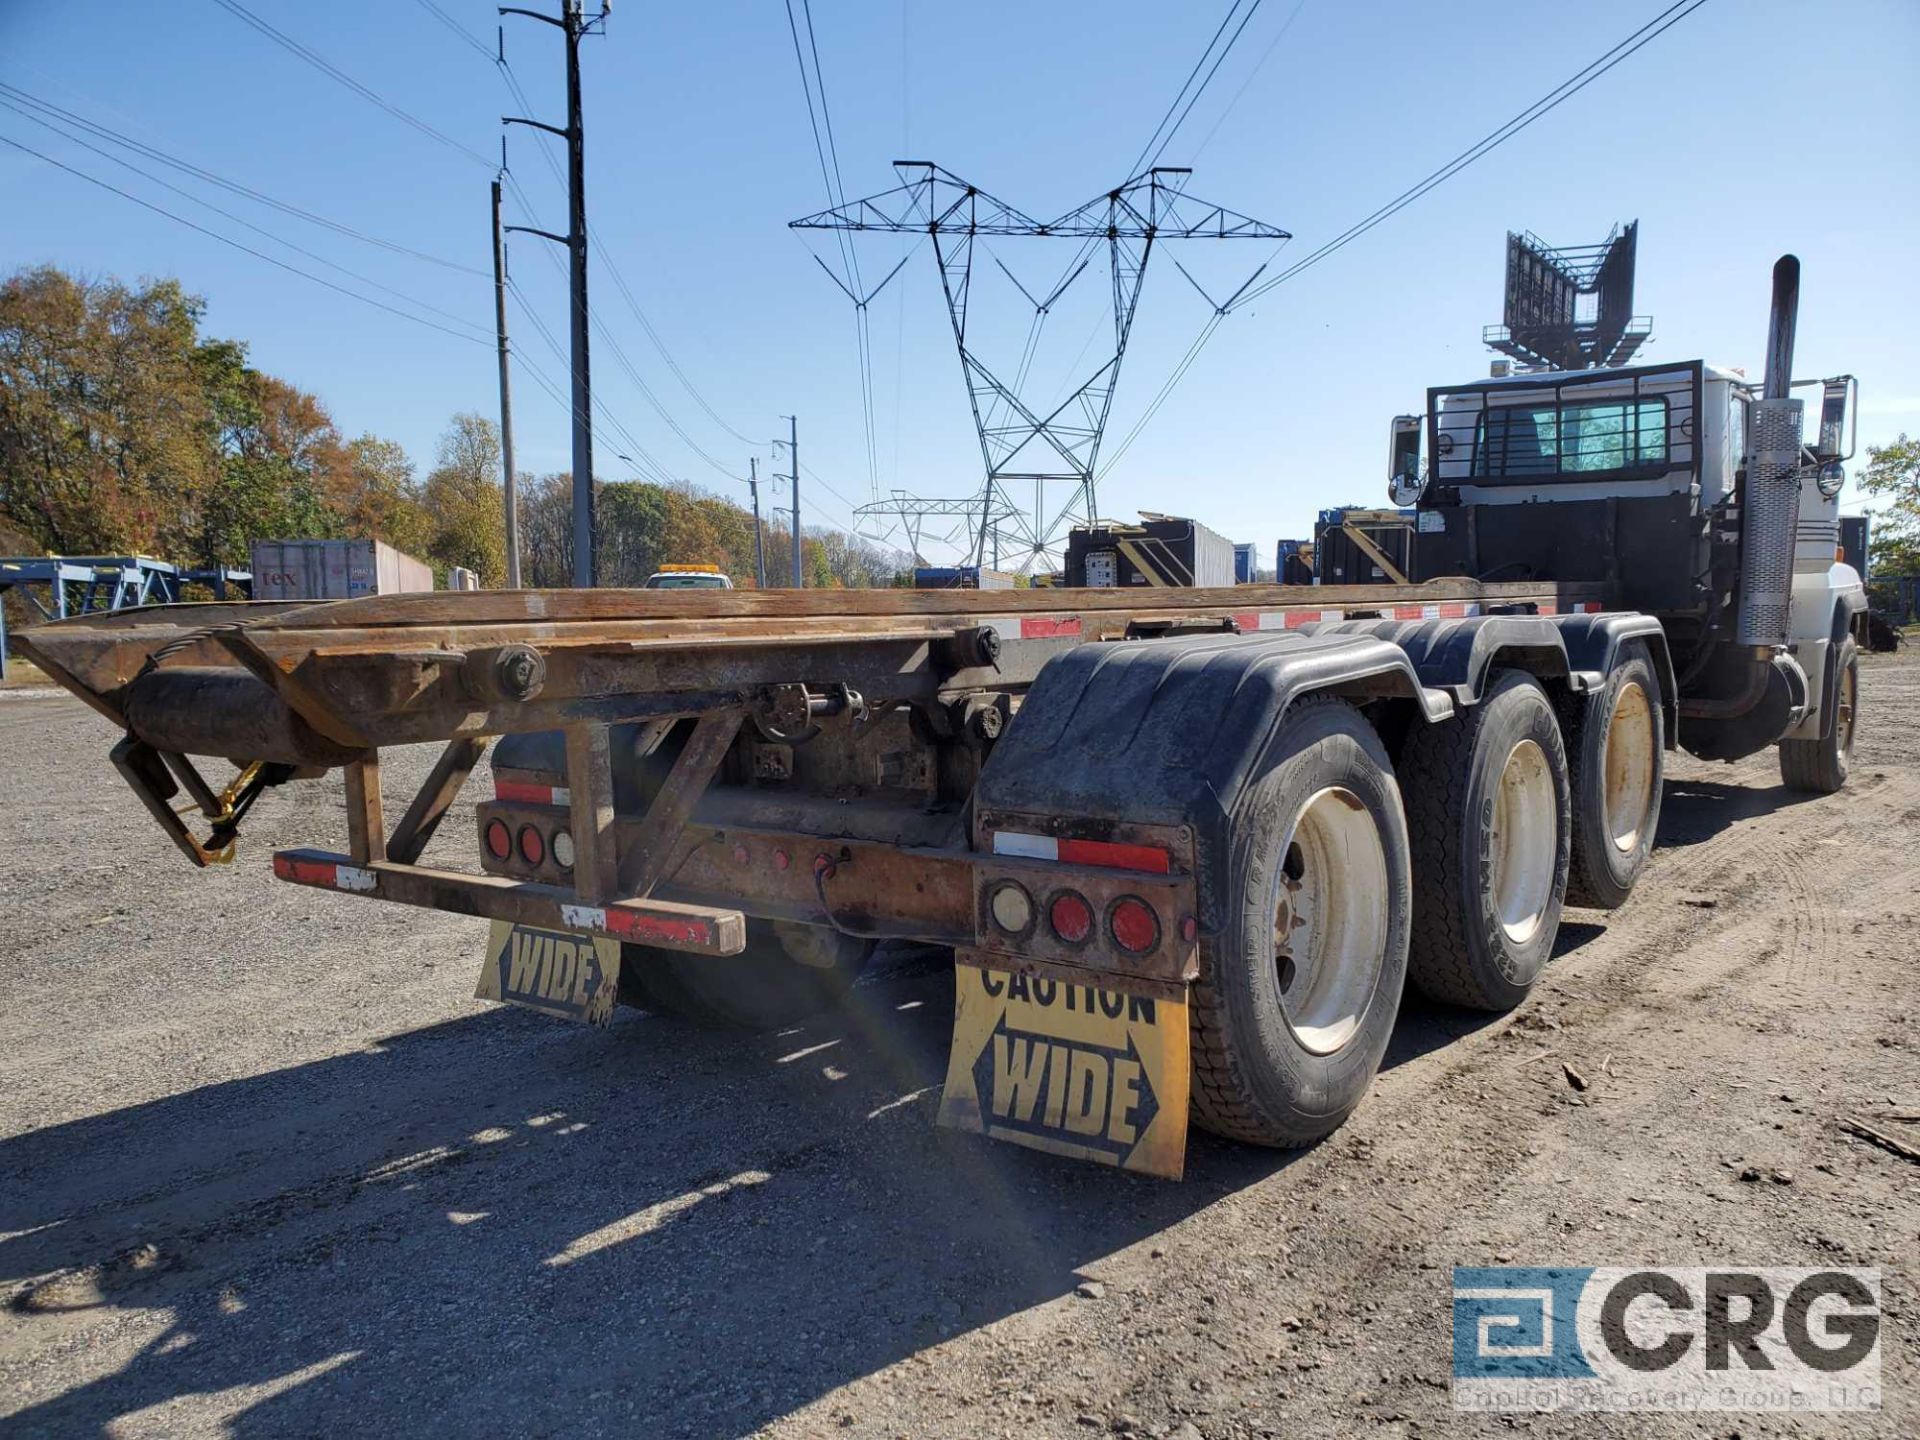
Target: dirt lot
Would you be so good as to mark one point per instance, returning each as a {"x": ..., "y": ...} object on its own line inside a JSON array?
[{"x": 266, "y": 1169}]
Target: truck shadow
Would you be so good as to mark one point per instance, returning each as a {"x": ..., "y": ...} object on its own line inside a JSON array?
[
  {"x": 503, "y": 1225},
  {"x": 1694, "y": 811}
]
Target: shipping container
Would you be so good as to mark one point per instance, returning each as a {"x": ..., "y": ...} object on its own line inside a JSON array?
[
  {"x": 1350, "y": 543},
  {"x": 1293, "y": 563},
  {"x": 334, "y": 570},
  {"x": 1162, "y": 550},
  {"x": 960, "y": 577},
  {"x": 1246, "y": 564}
]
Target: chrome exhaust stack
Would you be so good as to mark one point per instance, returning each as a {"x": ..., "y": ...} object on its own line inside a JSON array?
[{"x": 1770, "y": 509}]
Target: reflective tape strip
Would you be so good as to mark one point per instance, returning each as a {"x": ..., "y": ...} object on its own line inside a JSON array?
[
  {"x": 1106, "y": 854},
  {"x": 326, "y": 874},
  {"x": 636, "y": 924},
  {"x": 1284, "y": 619},
  {"x": 1033, "y": 847},
  {"x": 640, "y": 926},
  {"x": 1032, "y": 627},
  {"x": 528, "y": 794}
]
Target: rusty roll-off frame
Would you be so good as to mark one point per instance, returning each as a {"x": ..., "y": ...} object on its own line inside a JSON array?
[{"x": 288, "y": 691}]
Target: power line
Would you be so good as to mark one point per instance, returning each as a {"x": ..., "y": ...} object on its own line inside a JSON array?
[
  {"x": 466, "y": 35},
  {"x": 1145, "y": 150},
  {"x": 512, "y": 82},
  {"x": 328, "y": 68},
  {"x": 626, "y": 436},
  {"x": 1252, "y": 75},
  {"x": 1226, "y": 50},
  {"x": 151, "y": 152},
  {"x": 1562, "y": 92},
  {"x": 829, "y": 157},
  {"x": 627, "y": 364},
  {"x": 237, "y": 219},
  {"x": 237, "y": 245}
]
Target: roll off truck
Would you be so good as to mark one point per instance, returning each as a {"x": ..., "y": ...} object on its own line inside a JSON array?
[{"x": 1188, "y": 846}]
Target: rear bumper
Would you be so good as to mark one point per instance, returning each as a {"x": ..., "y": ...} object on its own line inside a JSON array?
[{"x": 665, "y": 924}]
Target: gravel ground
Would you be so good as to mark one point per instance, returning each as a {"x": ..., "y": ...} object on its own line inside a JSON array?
[{"x": 266, "y": 1169}]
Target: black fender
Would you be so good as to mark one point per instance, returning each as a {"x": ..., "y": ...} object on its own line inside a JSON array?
[
  {"x": 1593, "y": 648},
  {"x": 1455, "y": 655},
  {"x": 1173, "y": 732}
]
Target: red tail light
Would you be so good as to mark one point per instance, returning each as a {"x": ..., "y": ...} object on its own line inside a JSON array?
[
  {"x": 1135, "y": 927},
  {"x": 499, "y": 839},
  {"x": 532, "y": 848},
  {"x": 1071, "y": 917}
]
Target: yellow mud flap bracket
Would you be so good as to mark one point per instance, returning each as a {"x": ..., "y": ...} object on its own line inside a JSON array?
[
  {"x": 562, "y": 973},
  {"x": 1069, "y": 1067}
]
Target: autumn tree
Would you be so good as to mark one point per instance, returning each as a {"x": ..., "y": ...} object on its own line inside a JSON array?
[
  {"x": 1893, "y": 475},
  {"x": 104, "y": 422},
  {"x": 124, "y": 429},
  {"x": 463, "y": 501},
  {"x": 376, "y": 496}
]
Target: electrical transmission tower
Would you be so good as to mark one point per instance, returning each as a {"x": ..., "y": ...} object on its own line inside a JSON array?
[{"x": 1018, "y": 443}]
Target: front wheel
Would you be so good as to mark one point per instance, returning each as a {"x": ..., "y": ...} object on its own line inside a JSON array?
[
  {"x": 1296, "y": 999},
  {"x": 1822, "y": 766}
]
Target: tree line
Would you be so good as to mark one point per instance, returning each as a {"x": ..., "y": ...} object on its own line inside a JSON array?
[{"x": 124, "y": 429}]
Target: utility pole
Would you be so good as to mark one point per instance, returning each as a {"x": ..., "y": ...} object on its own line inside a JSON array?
[
  {"x": 793, "y": 460},
  {"x": 759, "y": 540},
  {"x": 512, "y": 486},
  {"x": 573, "y": 23}
]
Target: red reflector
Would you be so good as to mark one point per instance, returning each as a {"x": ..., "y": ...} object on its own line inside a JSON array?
[
  {"x": 1135, "y": 927},
  {"x": 532, "y": 848},
  {"x": 1071, "y": 917},
  {"x": 1115, "y": 856},
  {"x": 499, "y": 840}
]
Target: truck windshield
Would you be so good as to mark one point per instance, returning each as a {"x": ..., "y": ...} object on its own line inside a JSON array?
[{"x": 1576, "y": 438}]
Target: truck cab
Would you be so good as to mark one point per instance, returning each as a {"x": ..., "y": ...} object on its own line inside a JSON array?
[{"x": 1635, "y": 477}]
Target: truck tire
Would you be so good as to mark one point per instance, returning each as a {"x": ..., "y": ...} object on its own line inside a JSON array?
[
  {"x": 1616, "y": 767},
  {"x": 1487, "y": 805},
  {"x": 1822, "y": 766},
  {"x": 786, "y": 974},
  {"x": 1297, "y": 996}
]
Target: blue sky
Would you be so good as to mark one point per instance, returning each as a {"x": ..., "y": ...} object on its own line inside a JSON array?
[{"x": 1751, "y": 128}]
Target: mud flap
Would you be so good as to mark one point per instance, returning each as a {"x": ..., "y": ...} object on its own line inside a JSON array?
[
  {"x": 1075, "y": 1070},
  {"x": 557, "y": 972}
]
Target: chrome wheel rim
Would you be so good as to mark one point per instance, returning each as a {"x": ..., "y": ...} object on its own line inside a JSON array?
[
  {"x": 1626, "y": 769},
  {"x": 1523, "y": 841},
  {"x": 1330, "y": 919},
  {"x": 1843, "y": 715}
]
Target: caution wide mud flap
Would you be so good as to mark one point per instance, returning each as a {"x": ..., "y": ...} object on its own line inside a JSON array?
[
  {"x": 1072, "y": 1069},
  {"x": 563, "y": 973}
]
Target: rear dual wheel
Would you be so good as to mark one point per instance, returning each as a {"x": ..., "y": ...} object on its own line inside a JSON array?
[
  {"x": 1489, "y": 804},
  {"x": 1616, "y": 762},
  {"x": 1297, "y": 997}
]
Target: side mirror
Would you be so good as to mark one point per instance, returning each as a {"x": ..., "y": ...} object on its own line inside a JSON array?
[
  {"x": 1403, "y": 464},
  {"x": 1837, "y": 420}
]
